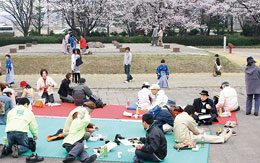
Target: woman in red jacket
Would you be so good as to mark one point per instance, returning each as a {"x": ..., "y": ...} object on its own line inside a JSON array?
[{"x": 83, "y": 44}]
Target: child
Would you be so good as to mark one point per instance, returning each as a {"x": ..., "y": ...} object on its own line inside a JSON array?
[
  {"x": 127, "y": 64},
  {"x": 163, "y": 74},
  {"x": 217, "y": 67},
  {"x": 75, "y": 66}
]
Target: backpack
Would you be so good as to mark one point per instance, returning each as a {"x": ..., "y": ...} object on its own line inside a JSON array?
[
  {"x": 98, "y": 101},
  {"x": 2, "y": 107}
]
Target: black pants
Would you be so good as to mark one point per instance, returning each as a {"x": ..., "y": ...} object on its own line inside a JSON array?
[
  {"x": 49, "y": 98},
  {"x": 208, "y": 121},
  {"x": 76, "y": 77},
  {"x": 142, "y": 156}
]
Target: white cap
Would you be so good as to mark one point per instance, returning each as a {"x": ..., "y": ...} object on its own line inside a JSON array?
[
  {"x": 7, "y": 90},
  {"x": 155, "y": 86},
  {"x": 146, "y": 84}
]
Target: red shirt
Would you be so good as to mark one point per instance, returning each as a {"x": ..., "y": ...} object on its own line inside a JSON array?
[{"x": 83, "y": 44}]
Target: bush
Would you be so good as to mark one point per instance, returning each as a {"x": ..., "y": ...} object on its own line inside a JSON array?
[
  {"x": 114, "y": 33},
  {"x": 3, "y": 35},
  {"x": 124, "y": 33}
]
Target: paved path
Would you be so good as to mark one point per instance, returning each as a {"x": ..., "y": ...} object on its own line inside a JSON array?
[
  {"x": 242, "y": 148},
  {"x": 110, "y": 49}
]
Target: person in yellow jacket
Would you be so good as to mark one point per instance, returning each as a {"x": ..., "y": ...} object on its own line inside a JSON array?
[
  {"x": 20, "y": 120},
  {"x": 73, "y": 142}
]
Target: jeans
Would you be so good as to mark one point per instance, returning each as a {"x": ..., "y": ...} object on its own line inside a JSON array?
[
  {"x": 142, "y": 156},
  {"x": 77, "y": 150},
  {"x": 127, "y": 72},
  {"x": 49, "y": 98},
  {"x": 19, "y": 138},
  {"x": 249, "y": 100}
]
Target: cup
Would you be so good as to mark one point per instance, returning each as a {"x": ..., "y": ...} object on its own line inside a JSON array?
[{"x": 119, "y": 154}]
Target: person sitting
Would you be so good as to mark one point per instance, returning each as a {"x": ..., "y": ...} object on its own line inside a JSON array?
[
  {"x": 163, "y": 117},
  {"x": 45, "y": 85},
  {"x": 5, "y": 85},
  {"x": 80, "y": 92},
  {"x": 160, "y": 98},
  {"x": 185, "y": 129},
  {"x": 228, "y": 98},
  {"x": 154, "y": 147},
  {"x": 204, "y": 106},
  {"x": 19, "y": 121},
  {"x": 89, "y": 107},
  {"x": 28, "y": 91},
  {"x": 7, "y": 100},
  {"x": 144, "y": 96},
  {"x": 73, "y": 142},
  {"x": 65, "y": 90}
]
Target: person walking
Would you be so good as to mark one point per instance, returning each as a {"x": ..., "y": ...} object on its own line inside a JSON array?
[
  {"x": 160, "y": 36},
  {"x": 9, "y": 70},
  {"x": 252, "y": 78},
  {"x": 155, "y": 36},
  {"x": 127, "y": 64}
]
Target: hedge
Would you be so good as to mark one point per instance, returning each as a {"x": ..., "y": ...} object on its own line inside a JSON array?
[{"x": 185, "y": 40}]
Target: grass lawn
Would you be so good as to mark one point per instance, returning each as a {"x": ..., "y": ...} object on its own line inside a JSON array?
[{"x": 113, "y": 64}]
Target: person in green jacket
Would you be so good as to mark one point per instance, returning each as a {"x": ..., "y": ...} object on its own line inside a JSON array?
[
  {"x": 73, "y": 142},
  {"x": 20, "y": 120}
]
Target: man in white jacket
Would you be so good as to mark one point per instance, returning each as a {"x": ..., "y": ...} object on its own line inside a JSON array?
[
  {"x": 228, "y": 98},
  {"x": 160, "y": 98}
]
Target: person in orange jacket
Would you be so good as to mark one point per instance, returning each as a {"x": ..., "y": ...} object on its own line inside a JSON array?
[{"x": 83, "y": 44}]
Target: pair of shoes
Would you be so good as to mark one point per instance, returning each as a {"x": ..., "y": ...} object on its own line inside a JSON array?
[
  {"x": 2, "y": 150},
  {"x": 90, "y": 159},
  {"x": 231, "y": 124},
  {"x": 15, "y": 151},
  {"x": 34, "y": 158},
  {"x": 248, "y": 113},
  {"x": 69, "y": 158},
  {"x": 256, "y": 113}
]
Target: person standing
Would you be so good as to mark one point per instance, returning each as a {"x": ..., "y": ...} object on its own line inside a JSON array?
[
  {"x": 252, "y": 78},
  {"x": 155, "y": 36},
  {"x": 75, "y": 65},
  {"x": 65, "y": 42},
  {"x": 127, "y": 64},
  {"x": 9, "y": 70},
  {"x": 45, "y": 85},
  {"x": 217, "y": 67},
  {"x": 160, "y": 36},
  {"x": 83, "y": 45},
  {"x": 163, "y": 74},
  {"x": 72, "y": 43}
]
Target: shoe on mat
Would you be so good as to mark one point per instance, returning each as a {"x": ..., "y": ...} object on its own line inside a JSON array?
[
  {"x": 233, "y": 124},
  {"x": 34, "y": 158},
  {"x": 227, "y": 124},
  {"x": 69, "y": 158},
  {"x": 248, "y": 113},
  {"x": 219, "y": 132},
  {"x": 256, "y": 113},
  {"x": 15, "y": 151},
  {"x": 2, "y": 150},
  {"x": 91, "y": 159}
]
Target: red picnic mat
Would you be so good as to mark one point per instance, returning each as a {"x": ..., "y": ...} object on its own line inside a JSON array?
[
  {"x": 63, "y": 110},
  {"x": 223, "y": 120}
]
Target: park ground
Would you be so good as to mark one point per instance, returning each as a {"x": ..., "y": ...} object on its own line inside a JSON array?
[{"x": 184, "y": 87}]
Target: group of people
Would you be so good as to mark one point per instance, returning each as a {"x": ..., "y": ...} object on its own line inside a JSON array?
[
  {"x": 157, "y": 36},
  {"x": 69, "y": 43}
]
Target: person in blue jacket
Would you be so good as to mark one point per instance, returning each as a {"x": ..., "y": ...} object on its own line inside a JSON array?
[
  {"x": 9, "y": 70},
  {"x": 163, "y": 74}
]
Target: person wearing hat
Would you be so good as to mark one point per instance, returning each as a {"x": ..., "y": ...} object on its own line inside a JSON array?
[
  {"x": 163, "y": 74},
  {"x": 160, "y": 99},
  {"x": 81, "y": 92},
  {"x": 185, "y": 129},
  {"x": 227, "y": 98},
  {"x": 252, "y": 79},
  {"x": 20, "y": 120},
  {"x": 204, "y": 106},
  {"x": 154, "y": 147},
  {"x": 28, "y": 91},
  {"x": 45, "y": 85},
  {"x": 217, "y": 67},
  {"x": 8, "y": 104},
  {"x": 144, "y": 96}
]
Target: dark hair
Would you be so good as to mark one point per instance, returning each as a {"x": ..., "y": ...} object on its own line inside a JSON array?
[
  {"x": 82, "y": 35},
  {"x": 127, "y": 48},
  {"x": 68, "y": 75},
  {"x": 148, "y": 118},
  {"x": 7, "y": 55},
  {"x": 76, "y": 50},
  {"x": 189, "y": 109},
  {"x": 42, "y": 70},
  {"x": 3, "y": 86},
  {"x": 28, "y": 86},
  {"x": 145, "y": 86},
  {"x": 162, "y": 61},
  {"x": 82, "y": 80},
  {"x": 216, "y": 55},
  {"x": 23, "y": 101},
  {"x": 8, "y": 94}
]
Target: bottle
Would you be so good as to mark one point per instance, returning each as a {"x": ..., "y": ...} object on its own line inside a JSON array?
[
  {"x": 202, "y": 141},
  {"x": 219, "y": 111},
  {"x": 5, "y": 141},
  {"x": 137, "y": 111},
  {"x": 105, "y": 151},
  {"x": 101, "y": 152}
]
